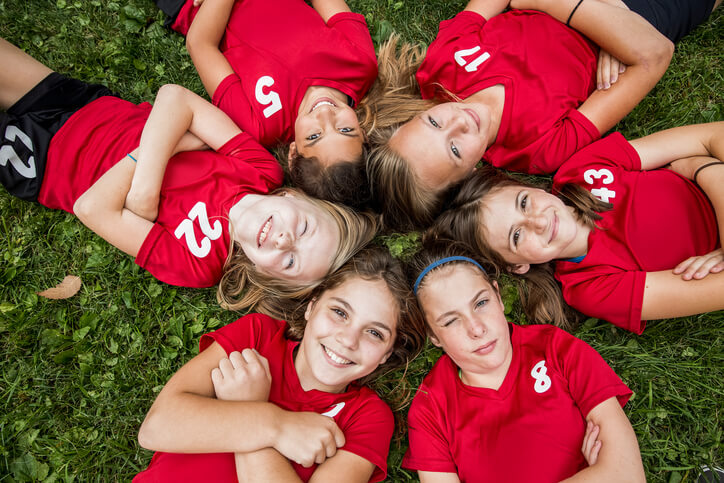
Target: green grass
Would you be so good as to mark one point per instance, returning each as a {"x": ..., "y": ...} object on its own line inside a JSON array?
[{"x": 77, "y": 376}]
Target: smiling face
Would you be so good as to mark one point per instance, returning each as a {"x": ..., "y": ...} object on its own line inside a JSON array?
[
  {"x": 350, "y": 330},
  {"x": 444, "y": 143},
  {"x": 529, "y": 226},
  {"x": 326, "y": 128},
  {"x": 465, "y": 314},
  {"x": 286, "y": 237}
]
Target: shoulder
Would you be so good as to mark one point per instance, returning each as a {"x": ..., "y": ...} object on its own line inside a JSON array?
[{"x": 248, "y": 331}]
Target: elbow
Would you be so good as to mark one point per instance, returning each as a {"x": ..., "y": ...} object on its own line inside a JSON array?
[
  {"x": 150, "y": 433},
  {"x": 657, "y": 57},
  {"x": 83, "y": 208},
  {"x": 171, "y": 94}
]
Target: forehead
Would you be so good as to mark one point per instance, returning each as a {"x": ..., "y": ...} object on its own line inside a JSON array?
[
  {"x": 370, "y": 299},
  {"x": 451, "y": 285},
  {"x": 425, "y": 151},
  {"x": 333, "y": 148}
]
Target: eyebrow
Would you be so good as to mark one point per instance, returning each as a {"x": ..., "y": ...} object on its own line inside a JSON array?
[
  {"x": 510, "y": 231},
  {"x": 344, "y": 303}
]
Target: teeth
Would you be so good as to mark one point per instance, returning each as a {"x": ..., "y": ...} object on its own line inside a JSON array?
[
  {"x": 264, "y": 231},
  {"x": 335, "y": 357},
  {"x": 322, "y": 103}
]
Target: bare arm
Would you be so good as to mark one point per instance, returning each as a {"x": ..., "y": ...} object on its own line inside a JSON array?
[
  {"x": 176, "y": 113},
  {"x": 435, "y": 477},
  {"x": 187, "y": 418},
  {"x": 626, "y": 36},
  {"x": 101, "y": 208},
  {"x": 619, "y": 458},
  {"x": 487, "y": 8},
  {"x": 329, "y": 8},
  {"x": 668, "y": 295},
  {"x": 202, "y": 42}
]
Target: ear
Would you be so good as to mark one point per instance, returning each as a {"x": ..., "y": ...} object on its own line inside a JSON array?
[
  {"x": 497, "y": 291},
  {"x": 435, "y": 341},
  {"x": 310, "y": 306},
  {"x": 385, "y": 357},
  {"x": 522, "y": 268},
  {"x": 292, "y": 153}
]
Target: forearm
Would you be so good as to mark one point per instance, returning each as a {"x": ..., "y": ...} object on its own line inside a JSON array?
[
  {"x": 209, "y": 24},
  {"x": 193, "y": 423},
  {"x": 328, "y": 8},
  {"x": 263, "y": 466},
  {"x": 711, "y": 180},
  {"x": 487, "y": 8}
]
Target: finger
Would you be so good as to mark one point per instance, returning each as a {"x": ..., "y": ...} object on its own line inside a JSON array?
[
  {"x": 621, "y": 68},
  {"x": 594, "y": 453},
  {"x": 706, "y": 267},
  {"x": 599, "y": 74},
  {"x": 237, "y": 360},
  {"x": 614, "y": 69},
  {"x": 227, "y": 369},
  {"x": 249, "y": 356},
  {"x": 695, "y": 267},
  {"x": 681, "y": 268},
  {"x": 338, "y": 436},
  {"x": 265, "y": 364},
  {"x": 606, "y": 67},
  {"x": 216, "y": 377}
]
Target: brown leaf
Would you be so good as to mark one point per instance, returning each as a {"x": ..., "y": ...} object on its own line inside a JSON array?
[{"x": 65, "y": 289}]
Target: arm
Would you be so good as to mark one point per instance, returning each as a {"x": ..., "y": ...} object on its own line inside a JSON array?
[
  {"x": 619, "y": 458},
  {"x": 626, "y": 36},
  {"x": 187, "y": 418},
  {"x": 176, "y": 113},
  {"x": 329, "y": 8},
  {"x": 202, "y": 42},
  {"x": 668, "y": 295},
  {"x": 487, "y": 8},
  {"x": 434, "y": 477}
]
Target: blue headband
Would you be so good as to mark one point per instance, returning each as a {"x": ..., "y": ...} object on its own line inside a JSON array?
[{"x": 440, "y": 262}]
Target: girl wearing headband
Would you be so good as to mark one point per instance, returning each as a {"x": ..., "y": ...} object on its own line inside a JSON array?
[{"x": 509, "y": 402}]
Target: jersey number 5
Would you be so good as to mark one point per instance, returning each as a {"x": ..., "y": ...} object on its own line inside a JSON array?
[
  {"x": 272, "y": 98},
  {"x": 186, "y": 229},
  {"x": 604, "y": 194},
  {"x": 7, "y": 153},
  {"x": 472, "y": 66}
]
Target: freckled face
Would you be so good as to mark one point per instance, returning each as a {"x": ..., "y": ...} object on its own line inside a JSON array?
[
  {"x": 350, "y": 331},
  {"x": 444, "y": 143}
]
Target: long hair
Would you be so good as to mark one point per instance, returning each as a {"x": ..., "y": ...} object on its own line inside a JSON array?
[
  {"x": 540, "y": 293},
  {"x": 374, "y": 263},
  {"x": 242, "y": 287}
]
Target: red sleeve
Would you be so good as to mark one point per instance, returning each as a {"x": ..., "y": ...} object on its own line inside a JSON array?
[
  {"x": 230, "y": 97},
  {"x": 429, "y": 449},
  {"x": 369, "y": 432},
  {"x": 547, "y": 153},
  {"x": 249, "y": 331},
  {"x": 246, "y": 149},
  {"x": 590, "y": 379},
  {"x": 353, "y": 27},
  {"x": 607, "y": 293}
]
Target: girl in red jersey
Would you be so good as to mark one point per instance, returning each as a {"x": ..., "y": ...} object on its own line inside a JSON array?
[
  {"x": 65, "y": 145},
  {"x": 509, "y": 402},
  {"x": 287, "y": 72},
  {"x": 291, "y": 409},
  {"x": 524, "y": 97},
  {"x": 628, "y": 242}
]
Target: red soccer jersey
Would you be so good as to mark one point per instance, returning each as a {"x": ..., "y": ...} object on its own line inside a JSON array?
[
  {"x": 531, "y": 429},
  {"x": 547, "y": 70},
  {"x": 189, "y": 242},
  {"x": 659, "y": 219},
  {"x": 365, "y": 420},
  {"x": 280, "y": 48}
]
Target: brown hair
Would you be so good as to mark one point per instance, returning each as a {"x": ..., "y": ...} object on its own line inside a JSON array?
[
  {"x": 343, "y": 182},
  {"x": 540, "y": 295},
  {"x": 375, "y": 263},
  {"x": 242, "y": 287}
]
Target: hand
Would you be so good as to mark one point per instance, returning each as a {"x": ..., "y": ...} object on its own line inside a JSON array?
[
  {"x": 307, "y": 438},
  {"x": 609, "y": 68},
  {"x": 591, "y": 445},
  {"x": 701, "y": 266},
  {"x": 244, "y": 376}
]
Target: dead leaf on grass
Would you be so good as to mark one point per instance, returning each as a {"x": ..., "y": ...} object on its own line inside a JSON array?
[{"x": 65, "y": 289}]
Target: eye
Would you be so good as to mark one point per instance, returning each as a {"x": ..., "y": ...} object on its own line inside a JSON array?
[
  {"x": 306, "y": 224},
  {"x": 449, "y": 322},
  {"x": 516, "y": 237},
  {"x": 377, "y": 334},
  {"x": 290, "y": 264},
  {"x": 523, "y": 202},
  {"x": 339, "y": 313},
  {"x": 346, "y": 129},
  {"x": 312, "y": 137},
  {"x": 433, "y": 122},
  {"x": 455, "y": 150},
  {"x": 481, "y": 303}
]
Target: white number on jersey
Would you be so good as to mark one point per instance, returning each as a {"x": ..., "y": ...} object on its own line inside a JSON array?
[
  {"x": 7, "y": 153},
  {"x": 186, "y": 229},
  {"x": 272, "y": 98},
  {"x": 542, "y": 381},
  {"x": 472, "y": 66},
  {"x": 604, "y": 194}
]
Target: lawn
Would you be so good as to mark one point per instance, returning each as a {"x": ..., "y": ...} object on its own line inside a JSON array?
[{"x": 78, "y": 375}]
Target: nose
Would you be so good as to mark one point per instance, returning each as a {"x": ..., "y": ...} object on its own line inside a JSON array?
[
  {"x": 283, "y": 241},
  {"x": 537, "y": 221},
  {"x": 476, "y": 328},
  {"x": 347, "y": 337},
  {"x": 458, "y": 123}
]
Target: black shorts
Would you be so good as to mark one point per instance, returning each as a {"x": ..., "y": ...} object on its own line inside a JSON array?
[
  {"x": 28, "y": 126},
  {"x": 673, "y": 18},
  {"x": 171, "y": 8}
]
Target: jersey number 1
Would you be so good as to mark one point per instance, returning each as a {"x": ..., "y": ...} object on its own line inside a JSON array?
[
  {"x": 272, "y": 98},
  {"x": 186, "y": 229}
]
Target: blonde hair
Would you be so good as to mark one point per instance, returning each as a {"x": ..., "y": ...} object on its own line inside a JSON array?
[
  {"x": 242, "y": 287},
  {"x": 394, "y": 99}
]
